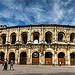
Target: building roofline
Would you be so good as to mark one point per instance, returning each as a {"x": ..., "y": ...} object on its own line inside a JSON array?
[{"x": 58, "y": 25}]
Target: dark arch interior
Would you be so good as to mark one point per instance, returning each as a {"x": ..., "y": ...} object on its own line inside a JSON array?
[
  {"x": 2, "y": 56},
  {"x": 23, "y": 59},
  {"x": 36, "y": 36},
  {"x": 48, "y": 37},
  {"x": 24, "y": 37},
  {"x": 23, "y": 54},
  {"x": 3, "y": 38},
  {"x": 61, "y": 55},
  {"x": 35, "y": 55},
  {"x": 48, "y": 55},
  {"x": 11, "y": 57},
  {"x": 72, "y": 36},
  {"x": 72, "y": 55},
  {"x": 60, "y": 36},
  {"x": 13, "y": 38}
]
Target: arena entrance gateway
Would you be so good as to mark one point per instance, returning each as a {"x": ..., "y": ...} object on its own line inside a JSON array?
[
  {"x": 61, "y": 58},
  {"x": 48, "y": 58},
  {"x": 23, "y": 58},
  {"x": 12, "y": 57},
  {"x": 72, "y": 58},
  {"x": 35, "y": 58}
]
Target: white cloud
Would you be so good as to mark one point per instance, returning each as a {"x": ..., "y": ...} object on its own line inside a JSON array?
[
  {"x": 73, "y": 22},
  {"x": 36, "y": 13}
]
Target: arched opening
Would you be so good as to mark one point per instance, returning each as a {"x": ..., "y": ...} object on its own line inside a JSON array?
[
  {"x": 12, "y": 57},
  {"x": 13, "y": 38},
  {"x": 23, "y": 58},
  {"x": 72, "y": 37},
  {"x": 61, "y": 36},
  {"x": 24, "y": 37},
  {"x": 72, "y": 58},
  {"x": 35, "y": 58},
  {"x": 2, "y": 54},
  {"x": 48, "y": 37},
  {"x": 36, "y": 37},
  {"x": 48, "y": 58},
  {"x": 3, "y": 36},
  {"x": 61, "y": 58}
]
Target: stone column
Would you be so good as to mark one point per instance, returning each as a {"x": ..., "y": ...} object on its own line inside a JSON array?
[
  {"x": 17, "y": 36},
  {"x": 68, "y": 57},
  {"x": 39, "y": 58},
  {"x": 28, "y": 57},
  {"x": 20, "y": 40},
  {"x": 55, "y": 59},
  {"x": 55, "y": 56},
  {"x": 16, "y": 57},
  {"x": 55, "y": 35},
  {"x": 7, "y": 37},
  {"x": 5, "y": 54},
  {"x": 43, "y": 58},
  {"x": 67, "y": 36},
  {"x": 29, "y": 36},
  {"x": 32, "y": 38},
  {"x": 41, "y": 39}
]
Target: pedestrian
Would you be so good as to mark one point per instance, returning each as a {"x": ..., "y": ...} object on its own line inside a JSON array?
[
  {"x": 60, "y": 63},
  {"x": 5, "y": 64},
  {"x": 11, "y": 64}
]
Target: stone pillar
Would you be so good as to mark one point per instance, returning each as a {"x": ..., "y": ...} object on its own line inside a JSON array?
[
  {"x": 5, "y": 54},
  {"x": 41, "y": 39},
  {"x": 7, "y": 37},
  {"x": 29, "y": 36},
  {"x": 55, "y": 59},
  {"x": 8, "y": 56},
  {"x": 55, "y": 33},
  {"x": 20, "y": 40},
  {"x": 28, "y": 57},
  {"x": 32, "y": 38},
  {"x": 55, "y": 56},
  {"x": 68, "y": 57},
  {"x": 67, "y": 36},
  {"x": 42, "y": 58},
  {"x": 16, "y": 57},
  {"x": 17, "y": 36}
]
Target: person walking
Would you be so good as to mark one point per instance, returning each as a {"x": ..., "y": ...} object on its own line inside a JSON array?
[
  {"x": 5, "y": 65},
  {"x": 60, "y": 63},
  {"x": 11, "y": 64}
]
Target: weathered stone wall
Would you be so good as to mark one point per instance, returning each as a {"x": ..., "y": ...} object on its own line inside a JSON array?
[{"x": 55, "y": 47}]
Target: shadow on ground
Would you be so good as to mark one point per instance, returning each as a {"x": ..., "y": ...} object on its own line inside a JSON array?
[{"x": 62, "y": 73}]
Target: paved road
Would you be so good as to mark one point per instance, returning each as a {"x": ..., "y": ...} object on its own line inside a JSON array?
[{"x": 38, "y": 70}]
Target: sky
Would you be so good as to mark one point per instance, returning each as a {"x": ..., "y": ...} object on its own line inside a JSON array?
[{"x": 25, "y": 12}]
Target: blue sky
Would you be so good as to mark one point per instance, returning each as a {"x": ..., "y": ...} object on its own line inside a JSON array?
[{"x": 24, "y": 12}]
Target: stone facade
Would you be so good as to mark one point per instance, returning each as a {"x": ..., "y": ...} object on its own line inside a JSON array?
[{"x": 57, "y": 43}]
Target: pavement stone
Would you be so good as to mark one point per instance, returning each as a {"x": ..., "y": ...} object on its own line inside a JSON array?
[{"x": 38, "y": 70}]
